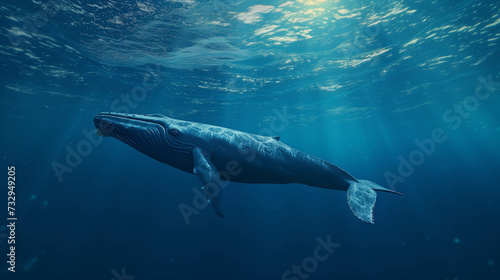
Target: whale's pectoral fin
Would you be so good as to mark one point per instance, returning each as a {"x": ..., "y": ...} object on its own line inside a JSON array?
[
  {"x": 361, "y": 199},
  {"x": 209, "y": 177}
]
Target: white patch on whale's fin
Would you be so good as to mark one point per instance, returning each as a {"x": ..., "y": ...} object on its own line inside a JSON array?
[
  {"x": 277, "y": 138},
  {"x": 210, "y": 178},
  {"x": 361, "y": 199}
]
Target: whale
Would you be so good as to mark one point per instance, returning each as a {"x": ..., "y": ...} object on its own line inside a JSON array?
[{"x": 217, "y": 154}]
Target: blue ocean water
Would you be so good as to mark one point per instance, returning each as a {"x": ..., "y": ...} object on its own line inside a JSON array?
[{"x": 405, "y": 94}]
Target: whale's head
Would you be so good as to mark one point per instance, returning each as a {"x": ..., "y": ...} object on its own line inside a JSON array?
[{"x": 155, "y": 135}]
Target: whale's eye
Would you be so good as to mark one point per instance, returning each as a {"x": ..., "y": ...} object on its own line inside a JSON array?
[{"x": 174, "y": 132}]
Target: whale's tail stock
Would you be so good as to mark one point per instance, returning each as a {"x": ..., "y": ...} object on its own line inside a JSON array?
[{"x": 361, "y": 197}]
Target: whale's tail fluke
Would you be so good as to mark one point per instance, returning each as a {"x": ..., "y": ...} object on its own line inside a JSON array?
[{"x": 361, "y": 197}]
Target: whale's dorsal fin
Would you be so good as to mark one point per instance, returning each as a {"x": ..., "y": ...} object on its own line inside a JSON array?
[
  {"x": 210, "y": 178},
  {"x": 277, "y": 138}
]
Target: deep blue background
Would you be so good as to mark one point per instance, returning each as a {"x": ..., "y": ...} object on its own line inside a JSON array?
[{"x": 363, "y": 81}]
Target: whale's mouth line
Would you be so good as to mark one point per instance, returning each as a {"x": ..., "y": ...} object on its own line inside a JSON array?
[
  {"x": 104, "y": 122},
  {"x": 129, "y": 117}
]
